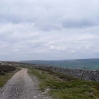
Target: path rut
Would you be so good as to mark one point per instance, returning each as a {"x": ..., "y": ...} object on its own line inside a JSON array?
[{"x": 22, "y": 86}]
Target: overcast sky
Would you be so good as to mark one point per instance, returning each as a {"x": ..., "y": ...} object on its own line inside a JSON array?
[{"x": 49, "y": 29}]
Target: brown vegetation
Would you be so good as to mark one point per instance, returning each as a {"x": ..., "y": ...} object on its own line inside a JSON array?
[{"x": 5, "y": 69}]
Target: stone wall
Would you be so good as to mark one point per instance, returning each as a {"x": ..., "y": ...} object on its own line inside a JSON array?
[{"x": 78, "y": 73}]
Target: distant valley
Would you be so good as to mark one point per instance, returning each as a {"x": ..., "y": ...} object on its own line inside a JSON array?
[{"x": 92, "y": 64}]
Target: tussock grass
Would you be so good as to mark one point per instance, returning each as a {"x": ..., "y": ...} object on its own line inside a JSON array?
[
  {"x": 4, "y": 78},
  {"x": 65, "y": 87}
]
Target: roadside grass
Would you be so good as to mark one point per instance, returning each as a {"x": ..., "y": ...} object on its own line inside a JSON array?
[
  {"x": 4, "y": 78},
  {"x": 65, "y": 87}
]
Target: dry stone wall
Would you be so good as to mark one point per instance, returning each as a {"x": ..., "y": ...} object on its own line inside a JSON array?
[{"x": 78, "y": 73}]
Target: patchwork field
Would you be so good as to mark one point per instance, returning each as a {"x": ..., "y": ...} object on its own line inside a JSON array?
[{"x": 92, "y": 64}]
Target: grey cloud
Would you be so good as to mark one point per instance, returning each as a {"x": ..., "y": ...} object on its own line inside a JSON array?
[
  {"x": 79, "y": 23},
  {"x": 34, "y": 29},
  {"x": 46, "y": 15},
  {"x": 49, "y": 27},
  {"x": 34, "y": 44}
]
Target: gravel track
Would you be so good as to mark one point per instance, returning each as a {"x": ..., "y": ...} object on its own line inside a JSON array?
[{"x": 22, "y": 86}]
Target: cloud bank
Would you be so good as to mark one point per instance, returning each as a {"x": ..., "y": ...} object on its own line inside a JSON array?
[{"x": 49, "y": 30}]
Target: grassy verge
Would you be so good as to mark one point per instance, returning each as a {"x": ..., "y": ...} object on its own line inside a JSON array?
[
  {"x": 66, "y": 87},
  {"x": 6, "y": 77}
]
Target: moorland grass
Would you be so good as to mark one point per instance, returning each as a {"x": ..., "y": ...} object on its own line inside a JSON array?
[
  {"x": 65, "y": 87},
  {"x": 4, "y": 78}
]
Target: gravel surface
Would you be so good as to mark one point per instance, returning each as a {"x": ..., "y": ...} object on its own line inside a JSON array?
[{"x": 22, "y": 86}]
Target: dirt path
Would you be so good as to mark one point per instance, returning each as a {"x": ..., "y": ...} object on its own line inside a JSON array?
[{"x": 22, "y": 86}]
